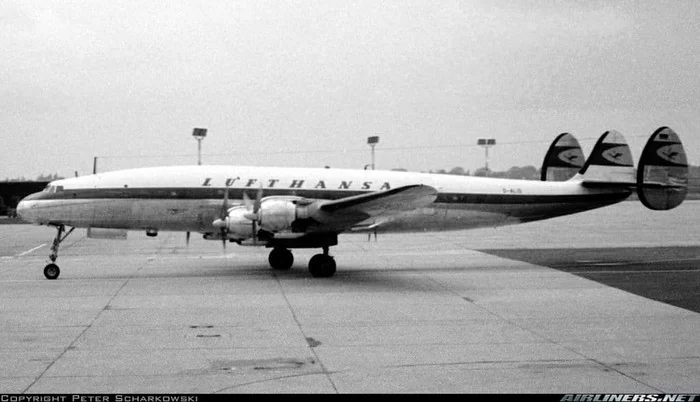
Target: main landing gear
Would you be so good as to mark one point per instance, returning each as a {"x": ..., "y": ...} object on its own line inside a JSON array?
[
  {"x": 281, "y": 259},
  {"x": 320, "y": 265},
  {"x": 51, "y": 271}
]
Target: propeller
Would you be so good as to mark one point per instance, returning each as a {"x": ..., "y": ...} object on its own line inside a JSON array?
[
  {"x": 254, "y": 208},
  {"x": 187, "y": 237},
  {"x": 221, "y": 222}
]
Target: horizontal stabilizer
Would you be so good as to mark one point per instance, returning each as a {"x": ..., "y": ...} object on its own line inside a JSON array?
[
  {"x": 563, "y": 159},
  {"x": 662, "y": 175},
  {"x": 610, "y": 163}
]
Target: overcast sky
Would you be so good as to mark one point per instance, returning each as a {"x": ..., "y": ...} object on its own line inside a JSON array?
[{"x": 304, "y": 83}]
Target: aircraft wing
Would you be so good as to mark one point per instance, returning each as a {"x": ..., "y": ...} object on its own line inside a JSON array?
[
  {"x": 399, "y": 199},
  {"x": 338, "y": 215}
]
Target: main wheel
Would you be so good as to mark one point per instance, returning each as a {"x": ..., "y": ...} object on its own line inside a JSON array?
[
  {"x": 322, "y": 266},
  {"x": 51, "y": 271},
  {"x": 281, "y": 259}
]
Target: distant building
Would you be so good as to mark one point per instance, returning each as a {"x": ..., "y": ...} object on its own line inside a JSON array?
[{"x": 12, "y": 192}]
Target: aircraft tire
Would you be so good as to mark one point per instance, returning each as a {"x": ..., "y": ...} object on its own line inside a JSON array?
[
  {"x": 51, "y": 271},
  {"x": 322, "y": 266},
  {"x": 281, "y": 259}
]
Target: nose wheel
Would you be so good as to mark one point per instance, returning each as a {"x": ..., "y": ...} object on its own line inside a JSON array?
[{"x": 52, "y": 271}]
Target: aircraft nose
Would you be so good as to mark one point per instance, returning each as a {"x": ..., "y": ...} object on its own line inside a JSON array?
[{"x": 24, "y": 210}]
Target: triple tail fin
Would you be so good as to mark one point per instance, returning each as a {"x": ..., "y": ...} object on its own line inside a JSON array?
[
  {"x": 610, "y": 163},
  {"x": 563, "y": 159},
  {"x": 661, "y": 179}
]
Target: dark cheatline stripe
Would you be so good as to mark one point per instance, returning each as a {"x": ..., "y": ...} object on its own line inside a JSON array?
[
  {"x": 458, "y": 198},
  {"x": 202, "y": 193}
]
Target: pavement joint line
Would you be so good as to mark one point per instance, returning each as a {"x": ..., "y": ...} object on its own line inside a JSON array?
[
  {"x": 30, "y": 250},
  {"x": 324, "y": 371},
  {"x": 71, "y": 346},
  {"x": 481, "y": 362},
  {"x": 588, "y": 358},
  {"x": 268, "y": 380},
  {"x": 637, "y": 271},
  {"x": 551, "y": 341}
]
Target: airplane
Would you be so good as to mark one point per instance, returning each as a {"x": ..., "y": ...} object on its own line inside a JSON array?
[{"x": 284, "y": 208}]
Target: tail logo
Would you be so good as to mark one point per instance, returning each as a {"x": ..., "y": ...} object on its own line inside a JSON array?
[
  {"x": 569, "y": 156},
  {"x": 671, "y": 153},
  {"x": 616, "y": 155}
]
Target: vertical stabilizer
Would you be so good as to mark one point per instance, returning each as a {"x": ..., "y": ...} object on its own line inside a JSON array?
[
  {"x": 563, "y": 159},
  {"x": 610, "y": 161},
  {"x": 662, "y": 176}
]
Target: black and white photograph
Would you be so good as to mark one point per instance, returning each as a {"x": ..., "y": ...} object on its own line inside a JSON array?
[{"x": 477, "y": 197}]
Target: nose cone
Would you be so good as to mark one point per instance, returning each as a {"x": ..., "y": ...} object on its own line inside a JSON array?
[
  {"x": 22, "y": 209},
  {"x": 26, "y": 210}
]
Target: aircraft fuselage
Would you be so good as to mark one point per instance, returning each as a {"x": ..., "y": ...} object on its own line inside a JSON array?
[{"x": 189, "y": 198}]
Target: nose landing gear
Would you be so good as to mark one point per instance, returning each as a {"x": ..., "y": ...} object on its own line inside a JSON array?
[{"x": 51, "y": 271}]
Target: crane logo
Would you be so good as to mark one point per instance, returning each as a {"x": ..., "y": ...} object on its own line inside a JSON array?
[
  {"x": 618, "y": 155},
  {"x": 572, "y": 157},
  {"x": 672, "y": 153}
]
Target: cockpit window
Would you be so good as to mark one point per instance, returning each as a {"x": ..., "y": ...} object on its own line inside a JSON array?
[{"x": 52, "y": 189}]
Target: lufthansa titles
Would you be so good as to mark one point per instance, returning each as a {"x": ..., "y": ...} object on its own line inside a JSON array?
[{"x": 299, "y": 184}]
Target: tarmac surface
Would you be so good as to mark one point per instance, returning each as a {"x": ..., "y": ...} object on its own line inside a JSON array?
[{"x": 603, "y": 301}]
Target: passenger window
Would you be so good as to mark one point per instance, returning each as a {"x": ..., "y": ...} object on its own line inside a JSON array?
[{"x": 59, "y": 188}]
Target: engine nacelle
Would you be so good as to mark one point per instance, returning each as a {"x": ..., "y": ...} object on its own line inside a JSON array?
[
  {"x": 275, "y": 215},
  {"x": 239, "y": 227},
  {"x": 278, "y": 214}
]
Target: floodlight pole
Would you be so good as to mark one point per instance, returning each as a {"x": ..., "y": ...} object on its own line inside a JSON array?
[
  {"x": 486, "y": 158},
  {"x": 486, "y": 143},
  {"x": 372, "y": 141},
  {"x": 199, "y": 134}
]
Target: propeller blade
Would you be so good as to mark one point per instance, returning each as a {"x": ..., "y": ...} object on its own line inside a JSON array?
[
  {"x": 258, "y": 200},
  {"x": 224, "y": 206},
  {"x": 188, "y": 239},
  {"x": 246, "y": 201},
  {"x": 251, "y": 216},
  {"x": 221, "y": 223},
  {"x": 253, "y": 206}
]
